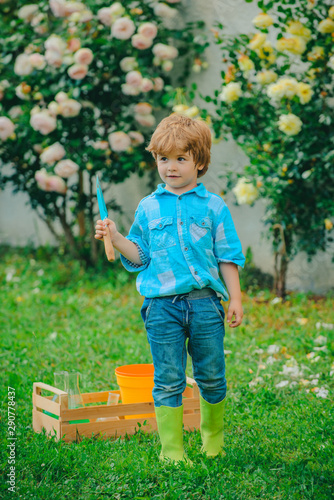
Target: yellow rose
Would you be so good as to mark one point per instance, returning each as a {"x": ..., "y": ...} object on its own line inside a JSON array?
[
  {"x": 265, "y": 77},
  {"x": 298, "y": 29},
  {"x": 331, "y": 12},
  {"x": 284, "y": 87},
  {"x": 275, "y": 91},
  {"x": 231, "y": 92},
  {"x": 326, "y": 26},
  {"x": 245, "y": 63},
  {"x": 290, "y": 124},
  {"x": 295, "y": 44},
  {"x": 290, "y": 86},
  {"x": 316, "y": 53},
  {"x": 266, "y": 53},
  {"x": 328, "y": 224},
  {"x": 245, "y": 192},
  {"x": 230, "y": 73},
  {"x": 304, "y": 92},
  {"x": 180, "y": 108},
  {"x": 311, "y": 73},
  {"x": 262, "y": 20},
  {"x": 257, "y": 41},
  {"x": 192, "y": 112}
]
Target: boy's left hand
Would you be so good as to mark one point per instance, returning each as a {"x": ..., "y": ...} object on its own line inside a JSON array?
[{"x": 234, "y": 309}]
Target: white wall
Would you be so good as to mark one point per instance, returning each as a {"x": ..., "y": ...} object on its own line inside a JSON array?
[{"x": 19, "y": 224}]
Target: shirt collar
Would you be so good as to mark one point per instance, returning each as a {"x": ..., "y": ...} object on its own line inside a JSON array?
[{"x": 200, "y": 190}]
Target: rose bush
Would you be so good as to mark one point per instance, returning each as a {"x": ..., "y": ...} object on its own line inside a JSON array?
[
  {"x": 81, "y": 84},
  {"x": 277, "y": 102}
]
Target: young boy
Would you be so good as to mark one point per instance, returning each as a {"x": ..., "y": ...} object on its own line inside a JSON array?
[{"x": 182, "y": 236}]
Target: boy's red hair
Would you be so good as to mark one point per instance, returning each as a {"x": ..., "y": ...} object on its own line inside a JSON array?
[{"x": 181, "y": 133}]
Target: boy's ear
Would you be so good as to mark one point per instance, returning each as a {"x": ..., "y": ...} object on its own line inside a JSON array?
[{"x": 200, "y": 167}]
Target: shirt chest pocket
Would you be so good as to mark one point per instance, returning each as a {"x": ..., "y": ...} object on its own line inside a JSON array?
[
  {"x": 200, "y": 230},
  {"x": 162, "y": 233}
]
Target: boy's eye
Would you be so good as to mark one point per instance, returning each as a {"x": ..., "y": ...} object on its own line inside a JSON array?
[{"x": 180, "y": 158}]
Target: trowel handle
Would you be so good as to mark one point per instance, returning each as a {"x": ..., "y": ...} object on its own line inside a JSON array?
[{"x": 108, "y": 246}]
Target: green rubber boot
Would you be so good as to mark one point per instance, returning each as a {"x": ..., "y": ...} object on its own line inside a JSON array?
[
  {"x": 169, "y": 421},
  {"x": 212, "y": 427}
]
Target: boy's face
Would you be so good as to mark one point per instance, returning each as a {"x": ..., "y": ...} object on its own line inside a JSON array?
[{"x": 178, "y": 171}]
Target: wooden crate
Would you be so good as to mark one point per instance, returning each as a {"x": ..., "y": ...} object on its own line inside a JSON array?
[{"x": 62, "y": 428}]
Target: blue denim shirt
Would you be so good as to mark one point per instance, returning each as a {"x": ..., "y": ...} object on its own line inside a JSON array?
[{"x": 181, "y": 240}]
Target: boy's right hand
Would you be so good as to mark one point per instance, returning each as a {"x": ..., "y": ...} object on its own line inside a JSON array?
[{"x": 102, "y": 227}]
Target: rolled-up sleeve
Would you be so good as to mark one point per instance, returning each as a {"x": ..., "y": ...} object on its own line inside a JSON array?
[
  {"x": 227, "y": 246},
  {"x": 137, "y": 236}
]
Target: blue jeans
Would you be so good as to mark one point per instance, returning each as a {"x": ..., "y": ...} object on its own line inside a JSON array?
[{"x": 169, "y": 322}]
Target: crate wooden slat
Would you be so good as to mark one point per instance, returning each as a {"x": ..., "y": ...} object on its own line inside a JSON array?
[{"x": 62, "y": 428}]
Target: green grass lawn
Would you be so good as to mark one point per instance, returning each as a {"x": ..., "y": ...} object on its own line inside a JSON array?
[{"x": 279, "y": 411}]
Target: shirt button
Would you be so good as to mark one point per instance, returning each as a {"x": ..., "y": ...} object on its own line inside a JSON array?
[
  {"x": 186, "y": 249},
  {"x": 160, "y": 225},
  {"x": 181, "y": 223},
  {"x": 203, "y": 223},
  {"x": 196, "y": 272}
]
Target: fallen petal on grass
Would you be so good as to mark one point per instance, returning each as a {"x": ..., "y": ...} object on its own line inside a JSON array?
[
  {"x": 302, "y": 321},
  {"x": 321, "y": 340},
  {"x": 326, "y": 326},
  {"x": 284, "y": 383},
  {"x": 273, "y": 349}
]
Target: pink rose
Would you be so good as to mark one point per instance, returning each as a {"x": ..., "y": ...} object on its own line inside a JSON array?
[
  {"x": 104, "y": 145},
  {"x": 130, "y": 89},
  {"x": 23, "y": 65},
  {"x": 123, "y": 28},
  {"x": 167, "y": 65},
  {"x": 119, "y": 141},
  {"x": 53, "y": 153},
  {"x": 53, "y": 58},
  {"x": 146, "y": 85},
  {"x": 55, "y": 43},
  {"x": 66, "y": 168},
  {"x": 134, "y": 78},
  {"x": 61, "y": 96},
  {"x": 163, "y": 10},
  {"x": 72, "y": 7},
  {"x": 83, "y": 56},
  {"x": 48, "y": 182},
  {"x": 41, "y": 176},
  {"x": 69, "y": 108},
  {"x": 43, "y": 122},
  {"x": 165, "y": 52},
  {"x": 57, "y": 184},
  {"x": 104, "y": 16},
  {"x": 136, "y": 138},
  {"x": 73, "y": 44},
  {"x": 86, "y": 16},
  {"x": 77, "y": 71},
  {"x": 149, "y": 30},
  {"x": 58, "y": 7},
  {"x": 15, "y": 112},
  {"x": 141, "y": 42},
  {"x": 143, "y": 108},
  {"x": 7, "y": 128},
  {"x": 128, "y": 64},
  {"x": 27, "y": 12},
  {"x": 158, "y": 84},
  {"x": 145, "y": 120},
  {"x": 37, "y": 60}
]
